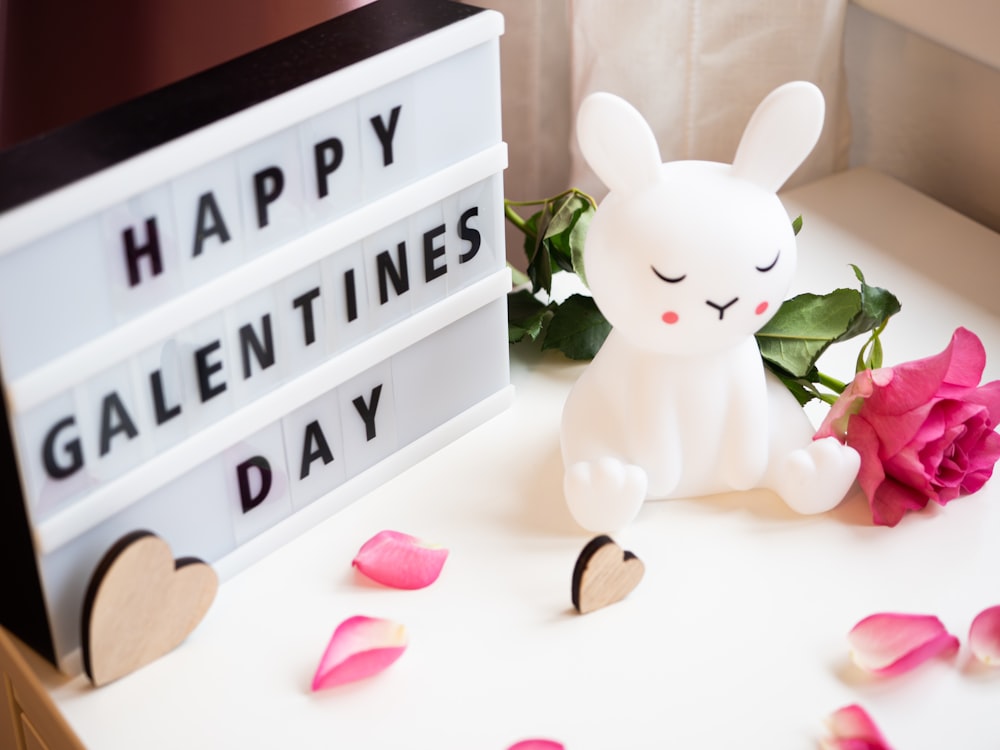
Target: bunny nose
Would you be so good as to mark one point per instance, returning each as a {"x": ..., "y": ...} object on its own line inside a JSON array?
[{"x": 722, "y": 308}]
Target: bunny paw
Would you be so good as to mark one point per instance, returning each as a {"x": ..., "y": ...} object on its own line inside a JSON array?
[
  {"x": 816, "y": 478},
  {"x": 606, "y": 494}
]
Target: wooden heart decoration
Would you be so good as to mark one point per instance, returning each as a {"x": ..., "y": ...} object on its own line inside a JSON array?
[
  {"x": 140, "y": 605},
  {"x": 604, "y": 574}
]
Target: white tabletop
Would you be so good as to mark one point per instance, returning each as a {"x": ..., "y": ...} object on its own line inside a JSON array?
[{"x": 736, "y": 637}]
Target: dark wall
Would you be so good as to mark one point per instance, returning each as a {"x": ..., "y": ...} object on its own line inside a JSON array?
[{"x": 61, "y": 60}]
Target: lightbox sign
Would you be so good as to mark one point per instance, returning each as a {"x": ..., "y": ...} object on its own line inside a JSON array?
[{"x": 231, "y": 306}]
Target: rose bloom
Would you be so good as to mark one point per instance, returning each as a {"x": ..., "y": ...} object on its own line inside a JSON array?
[{"x": 924, "y": 429}]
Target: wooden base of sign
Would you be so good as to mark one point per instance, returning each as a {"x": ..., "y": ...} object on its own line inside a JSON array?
[{"x": 28, "y": 717}]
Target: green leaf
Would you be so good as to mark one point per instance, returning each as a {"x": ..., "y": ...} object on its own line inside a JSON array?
[
  {"x": 525, "y": 316},
  {"x": 797, "y": 224},
  {"x": 577, "y": 328},
  {"x": 517, "y": 277},
  {"x": 807, "y": 325},
  {"x": 564, "y": 212},
  {"x": 877, "y": 306},
  {"x": 539, "y": 262},
  {"x": 577, "y": 238},
  {"x": 554, "y": 235},
  {"x": 802, "y": 388},
  {"x": 874, "y": 360},
  {"x": 804, "y": 327},
  {"x": 567, "y": 230}
]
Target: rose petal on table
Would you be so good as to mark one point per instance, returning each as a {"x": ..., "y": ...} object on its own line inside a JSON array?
[
  {"x": 400, "y": 560},
  {"x": 984, "y": 636},
  {"x": 851, "y": 728},
  {"x": 890, "y": 644},
  {"x": 537, "y": 745},
  {"x": 360, "y": 647}
]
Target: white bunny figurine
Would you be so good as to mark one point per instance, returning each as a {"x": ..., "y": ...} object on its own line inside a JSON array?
[{"x": 687, "y": 260}]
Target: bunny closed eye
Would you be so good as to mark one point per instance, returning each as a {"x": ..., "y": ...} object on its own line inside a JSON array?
[
  {"x": 669, "y": 279},
  {"x": 769, "y": 266}
]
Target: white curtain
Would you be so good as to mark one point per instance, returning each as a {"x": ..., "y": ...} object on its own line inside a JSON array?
[{"x": 697, "y": 69}]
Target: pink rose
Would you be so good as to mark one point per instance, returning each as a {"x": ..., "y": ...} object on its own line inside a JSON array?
[{"x": 924, "y": 429}]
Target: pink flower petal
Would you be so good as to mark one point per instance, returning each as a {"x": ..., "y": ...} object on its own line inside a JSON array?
[
  {"x": 914, "y": 383},
  {"x": 967, "y": 359},
  {"x": 850, "y": 402},
  {"x": 360, "y": 647},
  {"x": 984, "y": 636},
  {"x": 400, "y": 560},
  {"x": 851, "y": 728},
  {"x": 892, "y": 500},
  {"x": 537, "y": 745},
  {"x": 890, "y": 644}
]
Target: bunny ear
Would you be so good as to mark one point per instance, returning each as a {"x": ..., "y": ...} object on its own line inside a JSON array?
[
  {"x": 617, "y": 142},
  {"x": 781, "y": 133}
]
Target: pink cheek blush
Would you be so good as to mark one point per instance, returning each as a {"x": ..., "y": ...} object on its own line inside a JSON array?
[
  {"x": 670, "y": 317},
  {"x": 761, "y": 308}
]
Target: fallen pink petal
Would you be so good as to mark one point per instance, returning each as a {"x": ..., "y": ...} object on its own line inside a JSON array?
[
  {"x": 889, "y": 644},
  {"x": 400, "y": 560},
  {"x": 537, "y": 745},
  {"x": 851, "y": 728},
  {"x": 360, "y": 647},
  {"x": 984, "y": 636}
]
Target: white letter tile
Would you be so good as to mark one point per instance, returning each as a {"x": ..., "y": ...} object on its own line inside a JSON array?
[
  {"x": 314, "y": 445},
  {"x": 428, "y": 285},
  {"x": 345, "y": 283},
  {"x": 260, "y": 460},
  {"x": 152, "y": 275},
  {"x": 459, "y": 107},
  {"x": 302, "y": 330},
  {"x": 112, "y": 423},
  {"x": 45, "y": 492},
  {"x": 449, "y": 371},
  {"x": 360, "y": 411},
  {"x": 281, "y": 207},
  {"x": 467, "y": 263},
  {"x": 164, "y": 402},
  {"x": 391, "y": 274},
  {"x": 54, "y": 296},
  {"x": 255, "y": 365},
  {"x": 381, "y": 142},
  {"x": 208, "y": 377},
  {"x": 220, "y": 217},
  {"x": 340, "y": 165}
]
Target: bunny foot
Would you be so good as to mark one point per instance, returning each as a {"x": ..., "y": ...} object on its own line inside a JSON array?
[
  {"x": 604, "y": 495},
  {"x": 816, "y": 478}
]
